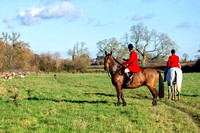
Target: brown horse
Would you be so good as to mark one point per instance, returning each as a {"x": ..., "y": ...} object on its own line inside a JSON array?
[{"x": 147, "y": 77}]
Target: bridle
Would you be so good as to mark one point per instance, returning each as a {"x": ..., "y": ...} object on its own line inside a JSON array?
[{"x": 106, "y": 62}]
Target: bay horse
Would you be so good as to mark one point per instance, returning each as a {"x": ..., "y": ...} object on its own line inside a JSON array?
[
  {"x": 147, "y": 77},
  {"x": 174, "y": 79}
]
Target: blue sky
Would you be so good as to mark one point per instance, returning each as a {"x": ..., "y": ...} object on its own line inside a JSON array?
[{"x": 56, "y": 25}]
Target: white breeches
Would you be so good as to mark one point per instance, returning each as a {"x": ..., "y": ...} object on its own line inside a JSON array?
[{"x": 126, "y": 70}]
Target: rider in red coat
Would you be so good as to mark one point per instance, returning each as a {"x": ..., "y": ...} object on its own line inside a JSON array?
[
  {"x": 133, "y": 66},
  {"x": 173, "y": 61}
]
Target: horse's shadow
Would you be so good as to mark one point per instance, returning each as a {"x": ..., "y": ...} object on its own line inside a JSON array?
[
  {"x": 138, "y": 96},
  {"x": 65, "y": 100},
  {"x": 101, "y": 94},
  {"x": 70, "y": 101},
  {"x": 190, "y": 95}
]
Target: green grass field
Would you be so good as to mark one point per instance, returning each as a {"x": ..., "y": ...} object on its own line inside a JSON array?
[{"x": 87, "y": 103}]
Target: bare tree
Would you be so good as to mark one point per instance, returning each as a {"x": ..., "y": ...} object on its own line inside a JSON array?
[
  {"x": 2, "y": 53},
  {"x": 185, "y": 56},
  {"x": 20, "y": 51},
  {"x": 17, "y": 53},
  {"x": 78, "y": 51},
  {"x": 113, "y": 45},
  {"x": 80, "y": 58},
  {"x": 8, "y": 60},
  {"x": 148, "y": 43},
  {"x": 56, "y": 57}
]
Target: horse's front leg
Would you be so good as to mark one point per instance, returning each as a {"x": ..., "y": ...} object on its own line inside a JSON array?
[
  {"x": 120, "y": 95},
  {"x": 118, "y": 99}
]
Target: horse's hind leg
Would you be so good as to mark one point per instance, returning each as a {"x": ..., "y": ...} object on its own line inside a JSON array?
[
  {"x": 179, "y": 91},
  {"x": 175, "y": 91},
  {"x": 172, "y": 90},
  {"x": 154, "y": 93},
  {"x": 169, "y": 91}
]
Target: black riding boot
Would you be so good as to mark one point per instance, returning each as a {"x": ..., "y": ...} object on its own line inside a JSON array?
[
  {"x": 127, "y": 81},
  {"x": 165, "y": 73}
]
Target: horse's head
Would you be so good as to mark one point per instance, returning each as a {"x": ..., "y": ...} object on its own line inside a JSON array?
[{"x": 107, "y": 60}]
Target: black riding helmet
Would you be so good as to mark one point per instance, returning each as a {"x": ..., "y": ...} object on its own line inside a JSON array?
[
  {"x": 173, "y": 51},
  {"x": 130, "y": 46}
]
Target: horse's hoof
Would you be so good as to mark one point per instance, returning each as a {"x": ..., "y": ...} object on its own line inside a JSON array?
[
  {"x": 124, "y": 104},
  {"x": 118, "y": 104},
  {"x": 154, "y": 103}
]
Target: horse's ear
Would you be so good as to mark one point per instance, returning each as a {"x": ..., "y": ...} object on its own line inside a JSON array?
[
  {"x": 106, "y": 52},
  {"x": 111, "y": 52}
]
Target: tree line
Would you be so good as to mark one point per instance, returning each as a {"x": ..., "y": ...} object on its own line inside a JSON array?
[
  {"x": 16, "y": 54},
  {"x": 150, "y": 46}
]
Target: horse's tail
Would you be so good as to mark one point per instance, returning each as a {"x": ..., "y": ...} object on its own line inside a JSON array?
[
  {"x": 175, "y": 80},
  {"x": 161, "y": 86},
  {"x": 178, "y": 80}
]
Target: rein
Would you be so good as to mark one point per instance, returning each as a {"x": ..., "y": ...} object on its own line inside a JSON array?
[
  {"x": 109, "y": 75},
  {"x": 108, "y": 71}
]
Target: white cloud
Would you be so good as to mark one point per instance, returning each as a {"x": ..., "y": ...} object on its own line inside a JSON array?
[
  {"x": 183, "y": 25},
  {"x": 99, "y": 25},
  {"x": 60, "y": 10},
  {"x": 138, "y": 17},
  {"x": 9, "y": 22},
  {"x": 30, "y": 16},
  {"x": 34, "y": 15}
]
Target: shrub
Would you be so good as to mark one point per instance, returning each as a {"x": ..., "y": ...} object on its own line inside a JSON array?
[{"x": 78, "y": 65}]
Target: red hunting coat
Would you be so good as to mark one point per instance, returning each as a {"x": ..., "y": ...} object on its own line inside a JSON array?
[
  {"x": 173, "y": 61},
  {"x": 133, "y": 66}
]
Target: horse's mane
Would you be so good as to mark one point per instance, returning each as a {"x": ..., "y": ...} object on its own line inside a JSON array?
[
  {"x": 117, "y": 65},
  {"x": 118, "y": 62}
]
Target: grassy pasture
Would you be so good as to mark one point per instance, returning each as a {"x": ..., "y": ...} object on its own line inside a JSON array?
[{"x": 87, "y": 103}]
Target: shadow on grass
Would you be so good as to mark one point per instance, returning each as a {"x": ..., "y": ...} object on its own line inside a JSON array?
[
  {"x": 64, "y": 100},
  {"x": 190, "y": 95},
  {"x": 137, "y": 96},
  {"x": 140, "y": 96},
  {"x": 101, "y": 94}
]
